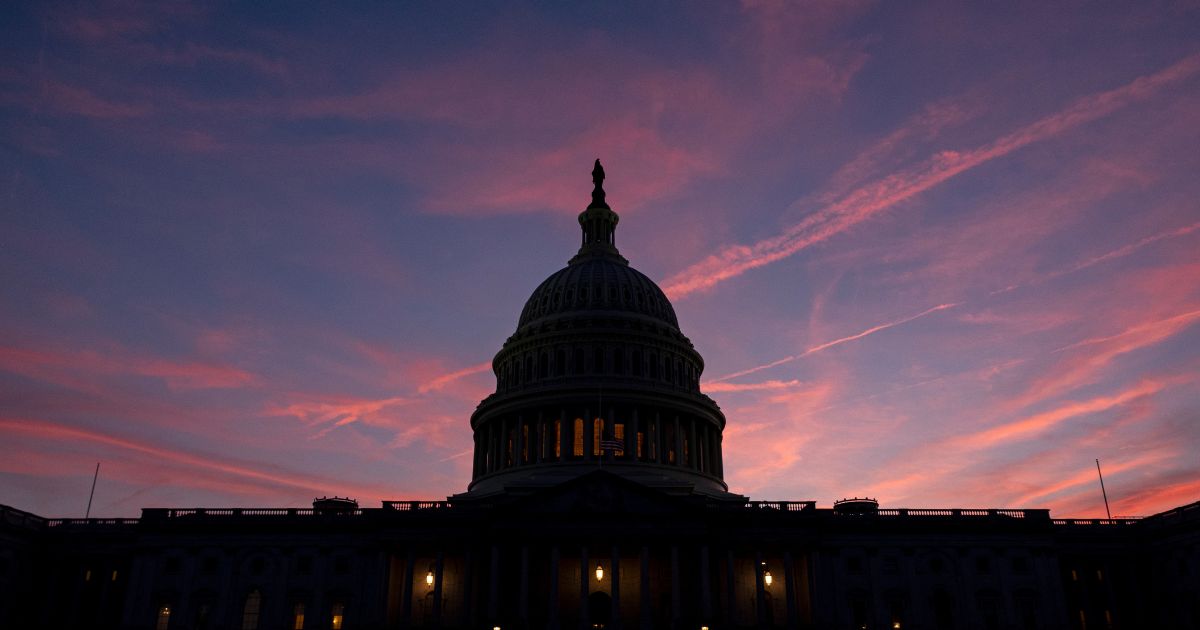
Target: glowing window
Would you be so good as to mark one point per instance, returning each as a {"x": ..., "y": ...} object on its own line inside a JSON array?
[
  {"x": 298, "y": 616},
  {"x": 163, "y": 620},
  {"x": 597, "y": 432},
  {"x": 524, "y": 443},
  {"x": 641, "y": 437},
  {"x": 619, "y": 435},
  {"x": 578, "y": 450},
  {"x": 557, "y": 439},
  {"x": 335, "y": 621},
  {"x": 250, "y": 612}
]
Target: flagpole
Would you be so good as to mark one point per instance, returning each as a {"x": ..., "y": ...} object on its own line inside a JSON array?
[
  {"x": 1102, "y": 490},
  {"x": 93, "y": 492}
]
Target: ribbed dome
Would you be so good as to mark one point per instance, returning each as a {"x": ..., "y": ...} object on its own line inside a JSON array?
[{"x": 597, "y": 284}]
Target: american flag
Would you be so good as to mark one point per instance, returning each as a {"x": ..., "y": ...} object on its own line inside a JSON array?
[{"x": 610, "y": 444}]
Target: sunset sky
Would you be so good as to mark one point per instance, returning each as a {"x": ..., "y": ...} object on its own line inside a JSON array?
[{"x": 941, "y": 255}]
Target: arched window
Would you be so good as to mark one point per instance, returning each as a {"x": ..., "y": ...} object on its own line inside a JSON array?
[
  {"x": 598, "y": 359},
  {"x": 251, "y": 611},
  {"x": 544, "y": 366},
  {"x": 163, "y": 618},
  {"x": 579, "y": 360},
  {"x": 618, "y": 360},
  {"x": 557, "y": 439},
  {"x": 560, "y": 362},
  {"x": 654, "y": 365},
  {"x": 528, "y": 368},
  {"x": 637, "y": 363}
]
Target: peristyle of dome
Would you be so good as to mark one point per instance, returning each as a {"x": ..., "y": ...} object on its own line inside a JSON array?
[{"x": 598, "y": 374}]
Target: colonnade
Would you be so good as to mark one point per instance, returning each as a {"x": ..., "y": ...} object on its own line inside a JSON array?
[
  {"x": 564, "y": 586},
  {"x": 563, "y": 434}
]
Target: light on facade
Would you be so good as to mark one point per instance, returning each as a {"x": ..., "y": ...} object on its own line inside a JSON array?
[
  {"x": 767, "y": 579},
  {"x": 429, "y": 579},
  {"x": 599, "y": 572}
]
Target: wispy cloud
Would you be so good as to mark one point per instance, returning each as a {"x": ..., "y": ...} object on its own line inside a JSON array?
[{"x": 867, "y": 201}]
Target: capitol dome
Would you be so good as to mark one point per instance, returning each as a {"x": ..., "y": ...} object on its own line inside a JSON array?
[{"x": 598, "y": 374}]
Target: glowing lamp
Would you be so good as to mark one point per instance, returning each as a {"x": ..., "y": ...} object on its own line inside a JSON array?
[
  {"x": 599, "y": 572},
  {"x": 429, "y": 578},
  {"x": 896, "y": 625},
  {"x": 767, "y": 579}
]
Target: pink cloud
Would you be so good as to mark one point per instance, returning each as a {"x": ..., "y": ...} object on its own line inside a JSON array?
[
  {"x": 205, "y": 464},
  {"x": 67, "y": 367},
  {"x": 1031, "y": 426}
]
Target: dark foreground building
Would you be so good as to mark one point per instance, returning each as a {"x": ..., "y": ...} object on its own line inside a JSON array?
[{"x": 597, "y": 500}]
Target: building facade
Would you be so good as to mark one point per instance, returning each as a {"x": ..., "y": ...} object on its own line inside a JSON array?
[{"x": 597, "y": 500}]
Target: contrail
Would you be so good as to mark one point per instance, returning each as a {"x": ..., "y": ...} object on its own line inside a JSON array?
[
  {"x": 836, "y": 342},
  {"x": 867, "y": 201}
]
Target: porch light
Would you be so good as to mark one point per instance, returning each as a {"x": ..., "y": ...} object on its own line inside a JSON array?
[
  {"x": 599, "y": 572},
  {"x": 767, "y": 579},
  {"x": 429, "y": 579}
]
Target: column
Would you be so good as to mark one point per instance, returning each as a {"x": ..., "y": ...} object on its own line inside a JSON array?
[
  {"x": 584, "y": 618},
  {"x": 693, "y": 446},
  {"x": 678, "y": 443},
  {"x": 519, "y": 441},
  {"x": 731, "y": 591},
  {"x": 656, "y": 439},
  {"x": 632, "y": 437},
  {"x": 789, "y": 589},
  {"x": 490, "y": 458},
  {"x": 705, "y": 587},
  {"x": 589, "y": 431},
  {"x": 523, "y": 603},
  {"x": 469, "y": 608},
  {"x": 475, "y": 456},
  {"x": 541, "y": 437},
  {"x": 552, "y": 611},
  {"x": 674, "y": 585},
  {"x": 616, "y": 588},
  {"x": 760, "y": 593},
  {"x": 564, "y": 435},
  {"x": 437, "y": 587},
  {"x": 493, "y": 585},
  {"x": 644, "y": 606},
  {"x": 406, "y": 591}
]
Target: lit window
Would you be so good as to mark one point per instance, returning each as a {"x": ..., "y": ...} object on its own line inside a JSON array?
[
  {"x": 578, "y": 449},
  {"x": 164, "y": 618},
  {"x": 298, "y": 616},
  {"x": 251, "y": 610},
  {"x": 524, "y": 443},
  {"x": 641, "y": 449},
  {"x": 557, "y": 439},
  {"x": 619, "y": 435},
  {"x": 335, "y": 621},
  {"x": 597, "y": 432},
  {"x": 113, "y": 578}
]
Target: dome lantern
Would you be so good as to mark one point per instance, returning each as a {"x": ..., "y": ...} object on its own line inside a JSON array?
[{"x": 599, "y": 224}]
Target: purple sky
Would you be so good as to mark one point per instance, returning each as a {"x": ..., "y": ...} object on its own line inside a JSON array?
[{"x": 938, "y": 254}]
